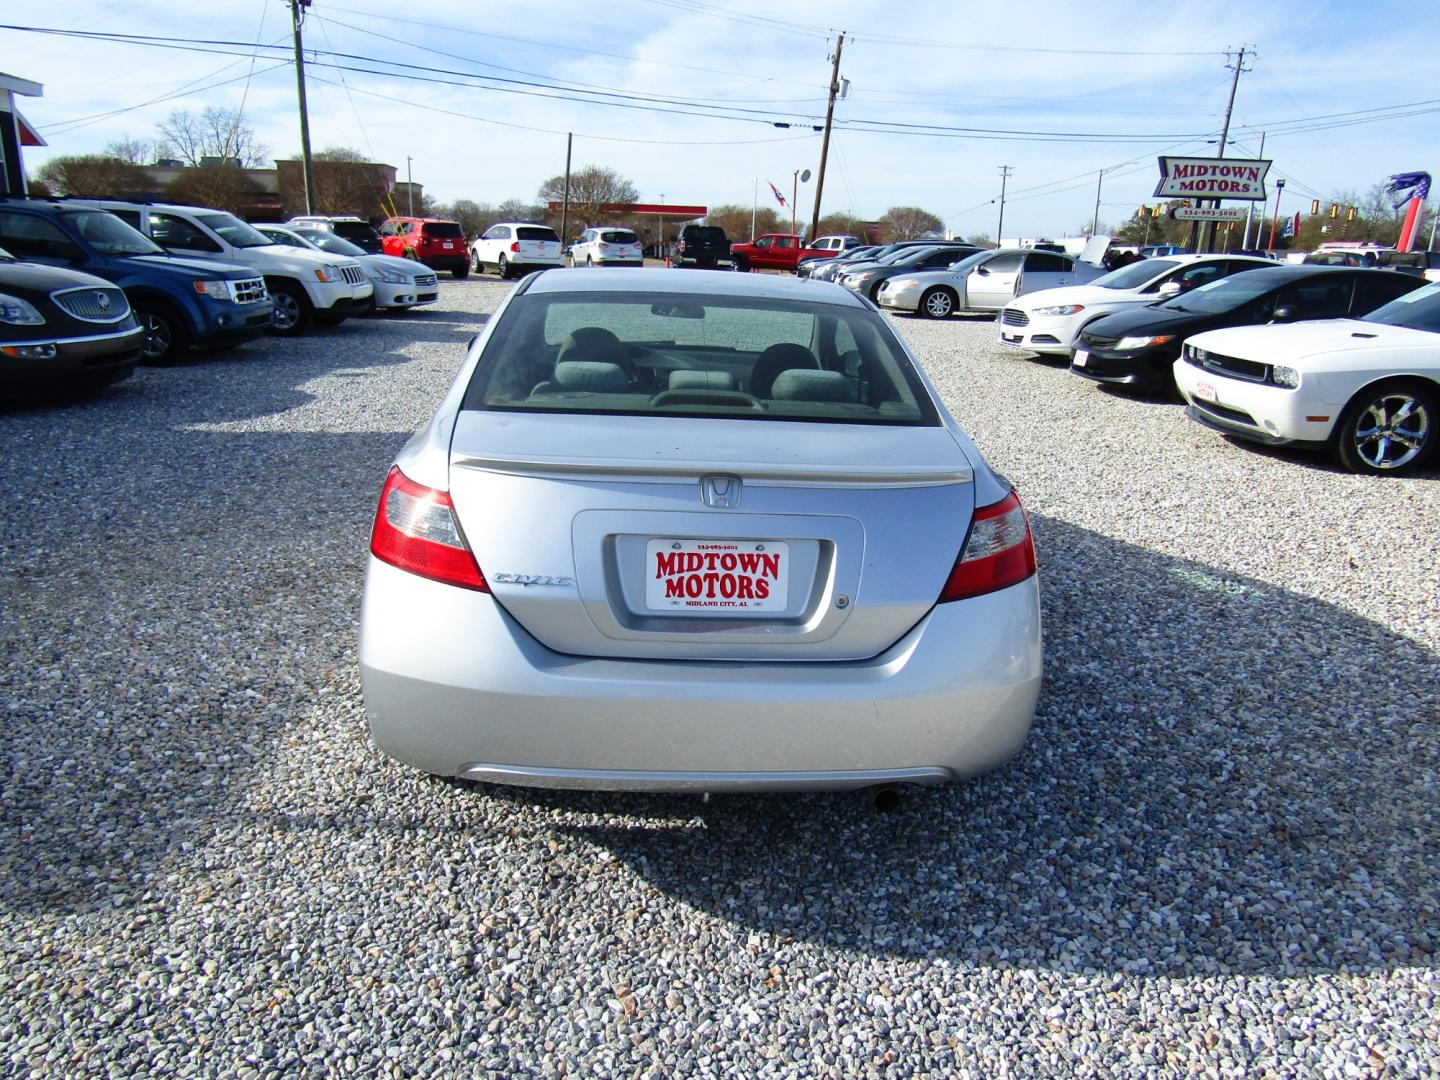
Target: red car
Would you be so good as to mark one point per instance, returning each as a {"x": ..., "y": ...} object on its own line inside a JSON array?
[{"x": 437, "y": 243}]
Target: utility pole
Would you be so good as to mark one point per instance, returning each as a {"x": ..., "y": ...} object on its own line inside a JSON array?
[
  {"x": 1207, "y": 229},
  {"x": 1095, "y": 221},
  {"x": 409, "y": 188},
  {"x": 825, "y": 140},
  {"x": 754, "y": 205},
  {"x": 565, "y": 204},
  {"x": 1005, "y": 171},
  {"x": 297, "y": 17}
]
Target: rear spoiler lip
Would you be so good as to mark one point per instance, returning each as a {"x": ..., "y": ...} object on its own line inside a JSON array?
[{"x": 751, "y": 472}]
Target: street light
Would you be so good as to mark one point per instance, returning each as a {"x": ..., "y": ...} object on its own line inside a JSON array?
[
  {"x": 796, "y": 178},
  {"x": 1275, "y": 221}
]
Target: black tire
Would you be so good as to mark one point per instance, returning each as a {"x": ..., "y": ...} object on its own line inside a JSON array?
[
  {"x": 475, "y": 263},
  {"x": 589, "y": 262},
  {"x": 167, "y": 334},
  {"x": 740, "y": 265},
  {"x": 1389, "y": 428},
  {"x": 461, "y": 273},
  {"x": 293, "y": 311},
  {"x": 503, "y": 268},
  {"x": 937, "y": 303}
]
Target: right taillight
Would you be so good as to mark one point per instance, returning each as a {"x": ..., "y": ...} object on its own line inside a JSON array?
[
  {"x": 415, "y": 529},
  {"x": 998, "y": 552}
]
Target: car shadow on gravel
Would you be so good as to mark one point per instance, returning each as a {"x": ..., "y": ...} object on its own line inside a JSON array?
[{"x": 1223, "y": 777}]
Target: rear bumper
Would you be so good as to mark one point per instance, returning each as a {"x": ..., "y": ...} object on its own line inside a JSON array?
[
  {"x": 96, "y": 357},
  {"x": 457, "y": 688},
  {"x": 459, "y": 260}
]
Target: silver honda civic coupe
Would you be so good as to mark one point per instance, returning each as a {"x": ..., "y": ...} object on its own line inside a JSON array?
[{"x": 697, "y": 531}]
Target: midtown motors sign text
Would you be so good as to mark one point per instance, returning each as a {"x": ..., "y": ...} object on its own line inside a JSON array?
[{"x": 1212, "y": 178}]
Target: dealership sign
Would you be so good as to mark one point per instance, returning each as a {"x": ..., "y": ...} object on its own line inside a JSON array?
[
  {"x": 1212, "y": 178},
  {"x": 1208, "y": 213}
]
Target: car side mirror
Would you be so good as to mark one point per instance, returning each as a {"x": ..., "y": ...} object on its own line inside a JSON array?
[
  {"x": 1283, "y": 313},
  {"x": 981, "y": 270},
  {"x": 1169, "y": 289}
]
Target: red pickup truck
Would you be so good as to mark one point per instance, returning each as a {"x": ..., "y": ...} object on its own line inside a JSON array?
[{"x": 773, "y": 251}]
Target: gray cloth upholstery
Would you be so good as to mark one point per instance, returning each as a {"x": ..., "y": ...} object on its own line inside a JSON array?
[
  {"x": 774, "y": 360},
  {"x": 590, "y": 375},
  {"x": 702, "y": 380},
  {"x": 799, "y": 384}
]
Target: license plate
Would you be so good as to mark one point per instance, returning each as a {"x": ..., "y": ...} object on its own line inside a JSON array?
[
  {"x": 1081, "y": 358},
  {"x": 717, "y": 575},
  {"x": 449, "y": 244},
  {"x": 1012, "y": 338},
  {"x": 1205, "y": 391}
]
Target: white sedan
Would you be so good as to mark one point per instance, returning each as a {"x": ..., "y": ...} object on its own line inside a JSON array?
[
  {"x": 1050, "y": 321},
  {"x": 1368, "y": 390},
  {"x": 985, "y": 281},
  {"x": 399, "y": 283}
]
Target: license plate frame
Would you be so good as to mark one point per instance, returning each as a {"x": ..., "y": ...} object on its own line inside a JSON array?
[
  {"x": 693, "y": 575},
  {"x": 1206, "y": 392}
]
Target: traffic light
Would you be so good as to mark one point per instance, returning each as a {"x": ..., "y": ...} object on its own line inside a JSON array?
[
  {"x": 1314, "y": 206},
  {"x": 1158, "y": 210},
  {"x": 1334, "y": 210},
  {"x": 1350, "y": 214},
  {"x": 1142, "y": 211}
]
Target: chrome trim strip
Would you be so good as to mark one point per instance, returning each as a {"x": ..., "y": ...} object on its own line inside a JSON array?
[
  {"x": 913, "y": 476},
  {"x": 634, "y": 780},
  {"x": 139, "y": 330}
]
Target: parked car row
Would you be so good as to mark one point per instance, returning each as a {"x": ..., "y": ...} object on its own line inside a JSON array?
[
  {"x": 91, "y": 287},
  {"x": 1333, "y": 358}
]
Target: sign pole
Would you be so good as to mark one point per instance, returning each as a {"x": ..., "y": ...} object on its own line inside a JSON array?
[
  {"x": 1250, "y": 207},
  {"x": 1275, "y": 222}
]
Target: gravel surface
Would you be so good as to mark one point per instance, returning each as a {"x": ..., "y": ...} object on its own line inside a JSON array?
[{"x": 1218, "y": 853}]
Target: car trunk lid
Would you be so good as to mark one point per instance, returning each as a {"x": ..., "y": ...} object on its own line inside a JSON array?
[{"x": 678, "y": 538}]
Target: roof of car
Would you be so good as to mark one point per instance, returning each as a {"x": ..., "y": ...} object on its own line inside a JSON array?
[
  {"x": 695, "y": 282},
  {"x": 1283, "y": 272},
  {"x": 523, "y": 224}
]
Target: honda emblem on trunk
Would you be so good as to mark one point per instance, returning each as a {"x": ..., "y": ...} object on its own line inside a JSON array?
[{"x": 720, "y": 492}]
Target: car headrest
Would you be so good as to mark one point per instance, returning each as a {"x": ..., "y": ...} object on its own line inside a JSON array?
[
  {"x": 774, "y": 360},
  {"x": 592, "y": 343},
  {"x": 803, "y": 384},
  {"x": 590, "y": 375},
  {"x": 702, "y": 380}
]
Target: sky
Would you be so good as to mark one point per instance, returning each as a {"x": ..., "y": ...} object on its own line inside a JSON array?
[{"x": 682, "y": 96}]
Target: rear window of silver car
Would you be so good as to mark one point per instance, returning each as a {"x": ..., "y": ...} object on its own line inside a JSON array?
[
  {"x": 730, "y": 357},
  {"x": 617, "y": 236}
]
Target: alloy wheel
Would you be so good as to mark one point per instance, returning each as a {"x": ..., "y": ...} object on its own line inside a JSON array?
[
  {"x": 1392, "y": 430},
  {"x": 158, "y": 336},
  {"x": 938, "y": 304},
  {"x": 287, "y": 310}
]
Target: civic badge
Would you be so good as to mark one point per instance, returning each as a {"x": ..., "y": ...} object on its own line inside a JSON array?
[{"x": 720, "y": 492}]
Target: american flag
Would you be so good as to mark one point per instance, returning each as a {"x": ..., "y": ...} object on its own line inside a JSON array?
[
  {"x": 778, "y": 197},
  {"x": 1408, "y": 185}
]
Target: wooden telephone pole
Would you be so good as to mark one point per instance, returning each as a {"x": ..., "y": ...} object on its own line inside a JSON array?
[{"x": 825, "y": 141}]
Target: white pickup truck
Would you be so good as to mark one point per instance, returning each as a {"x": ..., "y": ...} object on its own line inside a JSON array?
[{"x": 307, "y": 286}]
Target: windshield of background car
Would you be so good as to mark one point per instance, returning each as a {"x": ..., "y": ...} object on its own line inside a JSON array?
[
  {"x": 108, "y": 235},
  {"x": 681, "y": 354},
  {"x": 354, "y": 230},
  {"x": 1419, "y": 310},
  {"x": 330, "y": 242},
  {"x": 1136, "y": 274},
  {"x": 537, "y": 232},
  {"x": 617, "y": 236},
  {"x": 234, "y": 231},
  {"x": 1222, "y": 295},
  {"x": 443, "y": 229},
  {"x": 968, "y": 263}
]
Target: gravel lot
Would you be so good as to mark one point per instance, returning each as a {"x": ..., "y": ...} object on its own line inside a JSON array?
[{"x": 1218, "y": 853}]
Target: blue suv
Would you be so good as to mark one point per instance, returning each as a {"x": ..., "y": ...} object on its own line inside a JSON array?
[{"x": 179, "y": 302}]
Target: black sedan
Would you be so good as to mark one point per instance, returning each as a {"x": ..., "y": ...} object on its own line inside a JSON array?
[
  {"x": 62, "y": 326},
  {"x": 1138, "y": 348}
]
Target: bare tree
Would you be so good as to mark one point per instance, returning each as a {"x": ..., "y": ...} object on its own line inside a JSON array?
[
  {"x": 842, "y": 225},
  {"x": 474, "y": 218},
  {"x": 135, "y": 151},
  {"x": 345, "y": 183},
  {"x": 909, "y": 223},
  {"x": 217, "y": 185},
  {"x": 735, "y": 220},
  {"x": 214, "y": 133},
  {"x": 92, "y": 174},
  {"x": 592, "y": 189}
]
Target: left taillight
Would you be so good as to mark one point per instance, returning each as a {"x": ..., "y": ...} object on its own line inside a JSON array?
[
  {"x": 998, "y": 553},
  {"x": 415, "y": 530},
  {"x": 515, "y": 246}
]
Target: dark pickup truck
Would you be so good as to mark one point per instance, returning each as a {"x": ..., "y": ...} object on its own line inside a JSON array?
[{"x": 703, "y": 246}]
